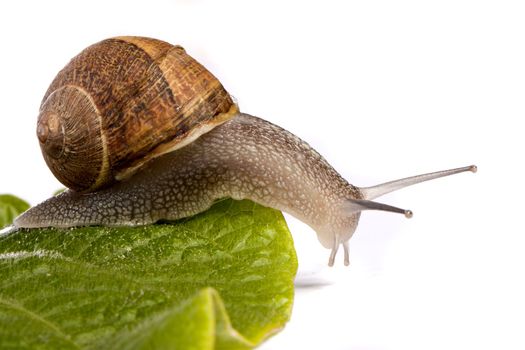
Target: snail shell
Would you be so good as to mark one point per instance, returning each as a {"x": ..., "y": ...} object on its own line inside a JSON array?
[{"x": 122, "y": 102}]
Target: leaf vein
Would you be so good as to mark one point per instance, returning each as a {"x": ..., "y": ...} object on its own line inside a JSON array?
[{"x": 34, "y": 316}]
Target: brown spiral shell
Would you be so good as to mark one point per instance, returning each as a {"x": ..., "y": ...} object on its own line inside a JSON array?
[{"x": 122, "y": 102}]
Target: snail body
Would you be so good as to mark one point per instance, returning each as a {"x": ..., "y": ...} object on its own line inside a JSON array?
[
  {"x": 244, "y": 158},
  {"x": 219, "y": 153}
]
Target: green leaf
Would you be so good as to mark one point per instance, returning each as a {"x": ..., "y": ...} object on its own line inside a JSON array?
[
  {"x": 59, "y": 191},
  {"x": 10, "y": 208},
  {"x": 206, "y": 326},
  {"x": 220, "y": 280}
]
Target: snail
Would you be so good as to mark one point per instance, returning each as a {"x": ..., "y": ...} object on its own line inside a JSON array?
[{"x": 139, "y": 132}]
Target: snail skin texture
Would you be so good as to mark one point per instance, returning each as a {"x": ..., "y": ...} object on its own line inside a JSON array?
[{"x": 218, "y": 151}]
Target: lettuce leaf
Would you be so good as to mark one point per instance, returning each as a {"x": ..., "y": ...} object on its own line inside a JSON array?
[
  {"x": 222, "y": 279},
  {"x": 10, "y": 207}
]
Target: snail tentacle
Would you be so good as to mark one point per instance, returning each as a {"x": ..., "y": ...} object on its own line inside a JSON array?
[{"x": 387, "y": 187}]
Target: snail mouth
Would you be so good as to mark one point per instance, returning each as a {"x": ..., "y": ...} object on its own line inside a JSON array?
[{"x": 50, "y": 133}]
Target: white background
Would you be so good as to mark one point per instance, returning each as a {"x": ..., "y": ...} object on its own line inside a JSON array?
[{"x": 383, "y": 89}]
